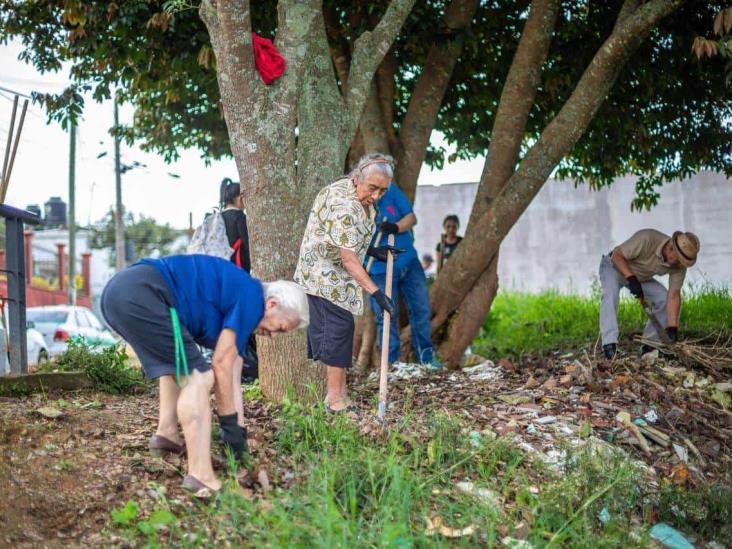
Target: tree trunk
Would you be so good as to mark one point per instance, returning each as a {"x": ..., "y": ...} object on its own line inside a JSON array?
[
  {"x": 485, "y": 234},
  {"x": 289, "y": 140},
  {"x": 468, "y": 319}
]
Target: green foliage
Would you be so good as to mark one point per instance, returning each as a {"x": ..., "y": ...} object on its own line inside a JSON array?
[
  {"x": 355, "y": 491},
  {"x": 107, "y": 367},
  {"x": 145, "y": 234},
  {"x": 666, "y": 117},
  {"x": 706, "y": 509},
  {"x": 519, "y": 322}
]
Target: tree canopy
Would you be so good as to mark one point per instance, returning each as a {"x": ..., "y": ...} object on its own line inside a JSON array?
[
  {"x": 667, "y": 116},
  {"x": 147, "y": 237}
]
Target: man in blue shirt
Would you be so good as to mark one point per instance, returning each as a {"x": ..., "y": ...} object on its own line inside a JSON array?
[
  {"x": 165, "y": 308},
  {"x": 397, "y": 217}
]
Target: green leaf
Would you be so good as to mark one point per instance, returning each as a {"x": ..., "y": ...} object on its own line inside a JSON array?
[
  {"x": 161, "y": 518},
  {"x": 126, "y": 514}
]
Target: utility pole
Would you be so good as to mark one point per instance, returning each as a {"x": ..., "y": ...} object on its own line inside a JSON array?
[
  {"x": 72, "y": 214},
  {"x": 119, "y": 228}
]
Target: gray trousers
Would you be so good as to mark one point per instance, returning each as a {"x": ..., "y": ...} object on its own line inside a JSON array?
[{"x": 611, "y": 281}]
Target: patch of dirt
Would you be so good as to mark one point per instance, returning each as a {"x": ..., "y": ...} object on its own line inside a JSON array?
[{"x": 61, "y": 478}]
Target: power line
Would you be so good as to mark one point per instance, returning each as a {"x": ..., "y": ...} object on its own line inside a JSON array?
[{"x": 8, "y": 90}]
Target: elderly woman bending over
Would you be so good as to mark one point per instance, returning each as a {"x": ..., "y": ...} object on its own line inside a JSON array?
[{"x": 164, "y": 308}]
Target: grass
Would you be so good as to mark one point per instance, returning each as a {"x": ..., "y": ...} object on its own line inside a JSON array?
[
  {"x": 521, "y": 322},
  {"x": 351, "y": 490},
  {"x": 107, "y": 367}
]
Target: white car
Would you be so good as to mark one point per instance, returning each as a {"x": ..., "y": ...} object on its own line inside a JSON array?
[
  {"x": 59, "y": 323},
  {"x": 37, "y": 348}
]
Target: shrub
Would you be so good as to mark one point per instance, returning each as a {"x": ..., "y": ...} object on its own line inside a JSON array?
[{"x": 107, "y": 367}]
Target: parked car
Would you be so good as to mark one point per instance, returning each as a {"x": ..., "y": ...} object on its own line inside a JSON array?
[
  {"x": 37, "y": 348},
  {"x": 59, "y": 323}
]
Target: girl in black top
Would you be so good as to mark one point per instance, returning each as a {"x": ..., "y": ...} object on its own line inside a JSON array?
[
  {"x": 449, "y": 240},
  {"x": 236, "y": 223}
]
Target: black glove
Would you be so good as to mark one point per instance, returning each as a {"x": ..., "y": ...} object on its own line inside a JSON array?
[
  {"x": 635, "y": 287},
  {"x": 673, "y": 333},
  {"x": 388, "y": 228},
  {"x": 385, "y": 302},
  {"x": 233, "y": 436},
  {"x": 380, "y": 252}
]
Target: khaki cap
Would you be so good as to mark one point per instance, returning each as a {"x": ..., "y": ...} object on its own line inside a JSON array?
[{"x": 686, "y": 246}]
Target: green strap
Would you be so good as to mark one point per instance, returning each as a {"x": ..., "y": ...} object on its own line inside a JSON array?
[{"x": 180, "y": 350}]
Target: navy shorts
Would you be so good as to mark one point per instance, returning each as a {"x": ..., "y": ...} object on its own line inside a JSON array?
[
  {"x": 136, "y": 304},
  {"x": 330, "y": 333}
]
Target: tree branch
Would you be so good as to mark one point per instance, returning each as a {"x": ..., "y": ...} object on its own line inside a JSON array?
[
  {"x": 517, "y": 99},
  {"x": 368, "y": 52},
  {"x": 482, "y": 240},
  {"x": 429, "y": 90}
]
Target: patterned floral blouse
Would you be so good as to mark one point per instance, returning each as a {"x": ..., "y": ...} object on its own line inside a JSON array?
[{"x": 337, "y": 220}]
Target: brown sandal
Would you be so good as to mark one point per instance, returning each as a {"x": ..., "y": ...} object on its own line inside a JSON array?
[
  {"x": 197, "y": 488},
  {"x": 160, "y": 446}
]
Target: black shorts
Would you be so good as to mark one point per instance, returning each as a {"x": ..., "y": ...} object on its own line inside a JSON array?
[
  {"x": 330, "y": 333},
  {"x": 136, "y": 304}
]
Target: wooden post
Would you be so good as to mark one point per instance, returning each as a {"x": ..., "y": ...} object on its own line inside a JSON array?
[
  {"x": 385, "y": 334},
  {"x": 61, "y": 266},
  {"x": 28, "y": 236}
]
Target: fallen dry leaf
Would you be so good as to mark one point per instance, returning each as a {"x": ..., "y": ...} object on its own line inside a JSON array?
[
  {"x": 50, "y": 412},
  {"x": 437, "y": 526}
]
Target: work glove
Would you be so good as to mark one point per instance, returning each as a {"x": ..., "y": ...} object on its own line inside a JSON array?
[
  {"x": 385, "y": 302},
  {"x": 673, "y": 333},
  {"x": 388, "y": 228},
  {"x": 233, "y": 435},
  {"x": 635, "y": 287},
  {"x": 380, "y": 253}
]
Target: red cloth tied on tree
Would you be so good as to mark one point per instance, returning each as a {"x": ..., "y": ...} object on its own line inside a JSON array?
[{"x": 267, "y": 59}]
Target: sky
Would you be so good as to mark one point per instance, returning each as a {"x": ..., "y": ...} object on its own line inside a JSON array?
[{"x": 42, "y": 163}]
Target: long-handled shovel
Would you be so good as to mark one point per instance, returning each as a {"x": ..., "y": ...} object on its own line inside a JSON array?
[
  {"x": 663, "y": 336},
  {"x": 385, "y": 334}
]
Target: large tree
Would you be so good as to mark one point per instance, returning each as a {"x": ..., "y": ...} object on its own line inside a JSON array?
[{"x": 590, "y": 90}]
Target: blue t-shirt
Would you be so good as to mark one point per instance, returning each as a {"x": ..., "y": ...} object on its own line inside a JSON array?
[
  {"x": 212, "y": 294},
  {"x": 394, "y": 205}
]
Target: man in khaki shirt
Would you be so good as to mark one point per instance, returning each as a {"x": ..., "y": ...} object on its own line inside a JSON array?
[{"x": 632, "y": 265}]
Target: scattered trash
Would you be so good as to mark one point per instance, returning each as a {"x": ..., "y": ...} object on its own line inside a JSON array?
[
  {"x": 651, "y": 416},
  {"x": 514, "y": 543},
  {"x": 474, "y": 437},
  {"x": 530, "y": 429},
  {"x": 604, "y": 516},
  {"x": 403, "y": 370},
  {"x": 483, "y": 494},
  {"x": 515, "y": 400},
  {"x": 437, "y": 526},
  {"x": 670, "y": 537},
  {"x": 487, "y": 371},
  {"x": 50, "y": 412},
  {"x": 624, "y": 419},
  {"x": 723, "y": 387},
  {"x": 681, "y": 452},
  {"x": 546, "y": 420}
]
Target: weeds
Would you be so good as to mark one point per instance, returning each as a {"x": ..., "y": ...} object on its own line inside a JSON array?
[
  {"x": 106, "y": 367},
  {"x": 350, "y": 490},
  {"x": 520, "y": 322}
]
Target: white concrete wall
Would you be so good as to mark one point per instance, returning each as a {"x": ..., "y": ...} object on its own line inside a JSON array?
[{"x": 558, "y": 241}]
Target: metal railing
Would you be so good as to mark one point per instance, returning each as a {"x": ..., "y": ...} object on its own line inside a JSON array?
[{"x": 15, "y": 271}]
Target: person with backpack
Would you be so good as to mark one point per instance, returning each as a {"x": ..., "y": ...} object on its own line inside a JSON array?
[{"x": 235, "y": 222}]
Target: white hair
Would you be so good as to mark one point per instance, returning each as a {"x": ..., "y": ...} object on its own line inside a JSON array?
[
  {"x": 374, "y": 163},
  {"x": 292, "y": 300}
]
